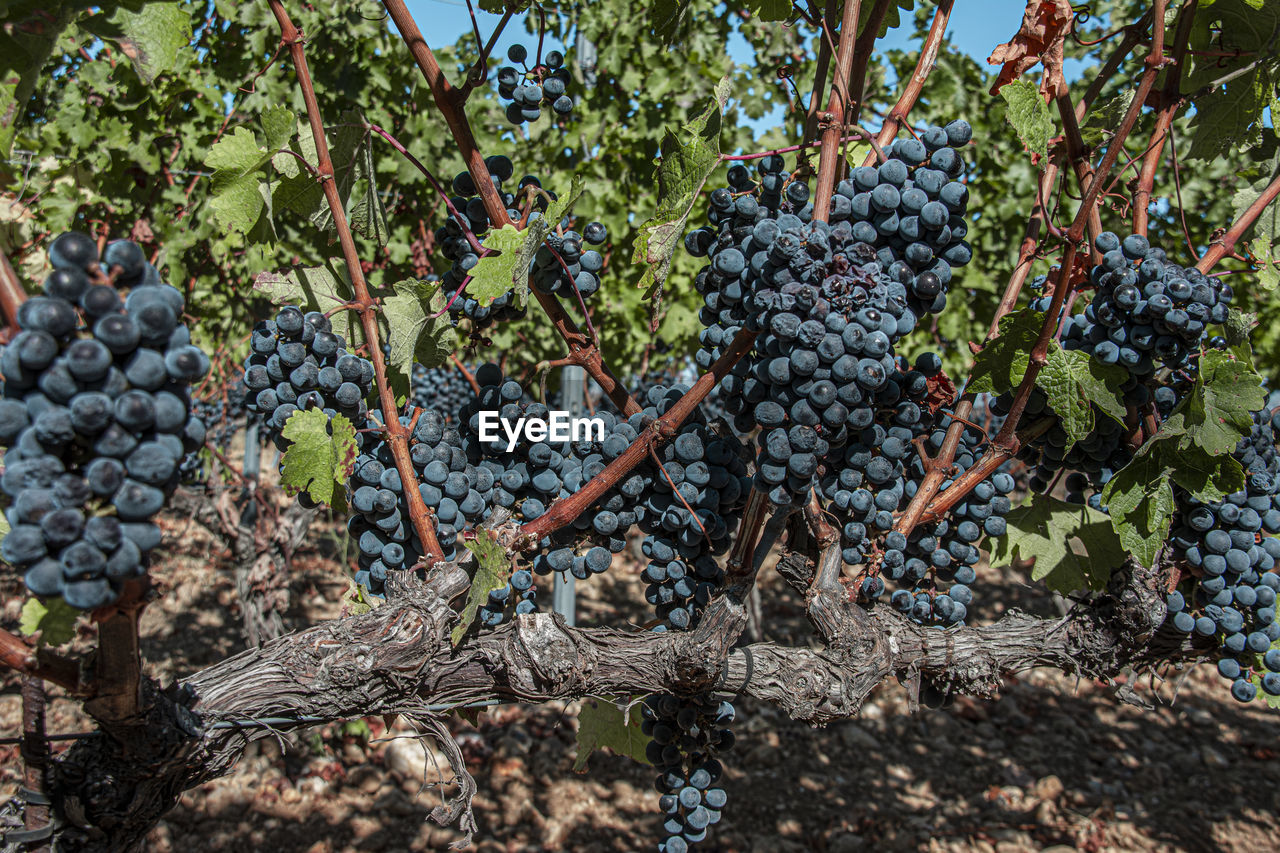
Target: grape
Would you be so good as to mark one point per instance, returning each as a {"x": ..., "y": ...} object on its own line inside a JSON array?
[
  {"x": 525, "y": 91},
  {"x": 84, "y": 453},
  {"x": 298, "y": 347}
]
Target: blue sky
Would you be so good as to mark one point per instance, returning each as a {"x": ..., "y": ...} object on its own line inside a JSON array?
[{"x": 442, "y": 21}]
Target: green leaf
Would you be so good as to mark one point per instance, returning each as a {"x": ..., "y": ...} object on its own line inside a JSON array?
[
  {"x": 1231, "y": 93},
  {"x": 1074, "y": 547},
  {"x": 606, "y": 724},
  {"x": 770, "y": 10},
  {"x": 1075, "y": 382},
  {"x": 1220, "y": 410},
  {"x": 54, "y": 619},
  {"x": 496, "y": 274},
  {"x": 351, "y": 153},
  {"x": 320, "y": 289},
  {"x": 1029, "y": 115},
  {"x": 493, "y": 569},
  {"x": 1003, "y": 362},
  {"x": 320, "y": 456},
  {"x": 1238, "y": 326},
  {"x": 667, "y": 18},
  {"x": 1139, "y": 499},
  {"x": 418, "y": 330},
  {"x": 688, "y": 157},
  {"x": 1209, "y": 478},
  {"x": 1265, "y": 258},
  {"x": 238, "y": 195},
  {"x": 1104, "y": 118},
  {"x": 153, "y": 37},
  {"x": 30, "y": 31}
]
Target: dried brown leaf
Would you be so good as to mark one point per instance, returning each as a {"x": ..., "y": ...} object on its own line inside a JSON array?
[{"x": 1045, "y": 26}]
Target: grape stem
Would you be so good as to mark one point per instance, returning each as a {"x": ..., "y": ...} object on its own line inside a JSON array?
[
  {"x": 564, "y": 510},
  {"x": 1227, "y": 243},
  {"x": 1170, "y": 102},
  {"x": 42, "y": 663},
  {"x": 753, "y": 518},
  {"x": 11, "y": 294},
  {"x": 820, "y": 74},
  {"x": 862, "y": 55},
  {"x": 924, "y": 67},
  {"x": 837, "y": 105},
  {"x": 927, "y": 504},
  {"x": 397, "y": 437},
  {"x": 449, "y": 100}
]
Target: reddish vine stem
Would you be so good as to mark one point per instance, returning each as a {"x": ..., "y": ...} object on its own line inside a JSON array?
[
  {"x": 820, "y": 75},
  {"x": 1170, "y": 101},
  {"x": 829, "y": 156},
  {"x": 41, "y": 663},
  {"x": 818, "y": 524},
  {"x": 449, "y": 100},
  {"x": 1133, "y": 34},
  {"x": 1078, "y": 155},
  {"x": 924, "y": 67},
  {"x": 744, "y": 545},
  {"x": 12, "y": 294},
  {"x": 984, "y": 468},
  {"x": 862, "y": 55},
  {"x": 565, "y": 510},
  {"x": 466, "y": 374},
  {"x": 1227, "y": 244},
  {"x": 927, "y": 503},
  {"x": 397, "y": 436}
]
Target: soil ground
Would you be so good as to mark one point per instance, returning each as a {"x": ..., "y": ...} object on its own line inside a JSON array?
[{"x": 1053, "y": 764}]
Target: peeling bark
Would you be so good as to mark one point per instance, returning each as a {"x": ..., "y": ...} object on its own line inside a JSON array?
[{"x": 109, "y": 791}]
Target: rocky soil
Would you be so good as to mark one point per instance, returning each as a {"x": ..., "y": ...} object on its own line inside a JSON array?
[{"x": 1053, "y": 764}]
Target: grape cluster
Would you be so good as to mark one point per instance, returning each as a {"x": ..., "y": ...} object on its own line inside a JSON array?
[
  {"x": 96, "y": 416},
  {"x": 830, "y": 300},
  {"x": 1146, "y": 309},
  {"x": 529, "y": 89},
  {"x": 442, "y": 389},
  {"x": 298, "y": 362},
  {"x": 688, "y": 735},
  {"x": 692, "y": 506},
  {"x": 533, "y": 474},
  {"x": 457, "y": 493},
  {"x": 461, "y": 235},
  {"x": 1232, "y": 549},
  {"x": 581, "y": 266}
]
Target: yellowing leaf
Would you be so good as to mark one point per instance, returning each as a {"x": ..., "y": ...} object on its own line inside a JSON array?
[{"x": 320, "y": 456}]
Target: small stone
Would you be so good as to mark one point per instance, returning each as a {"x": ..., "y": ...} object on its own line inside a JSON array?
[
  {"x": 1047, "y": 788},
  {"x": 1212, "y": 758}
]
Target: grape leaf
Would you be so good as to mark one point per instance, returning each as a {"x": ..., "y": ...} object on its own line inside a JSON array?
[
  {"x": 688, "y": 158},
  {"x": 492, "y": 572},
  {"x": 606, "y": 724},
  {"x": 666, "y": 18},
  {"x": 351, "y": 153},
  {"x": 1029, "y": 115},
  {"x": 1219, "y": 411},
  {"x": 1075, "y": 382},
  {"x": 508, "y": 269},
  {"x": 1003, "y": 362},
  {"x": 1238, "y": 326},
  {"x": 320, "y": 289},
  {"x": 417, "y": 330},
  {"x": 1265, "y": 259},
  {"x": 1104, "y": 118},
  {"x": 1139, "y": 499},
  {"x": 1209, "y": 478},
  {"x": 153, "y": 37},
  {"x": 1074, "y": 547},
  {"x": 30, "y": 31},
  {"x": 236, "y": 200},
  {"x": 320, "y": 456},
  {"x": 54, "y": 619},
  {"x": 1231, "y": 93}
]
